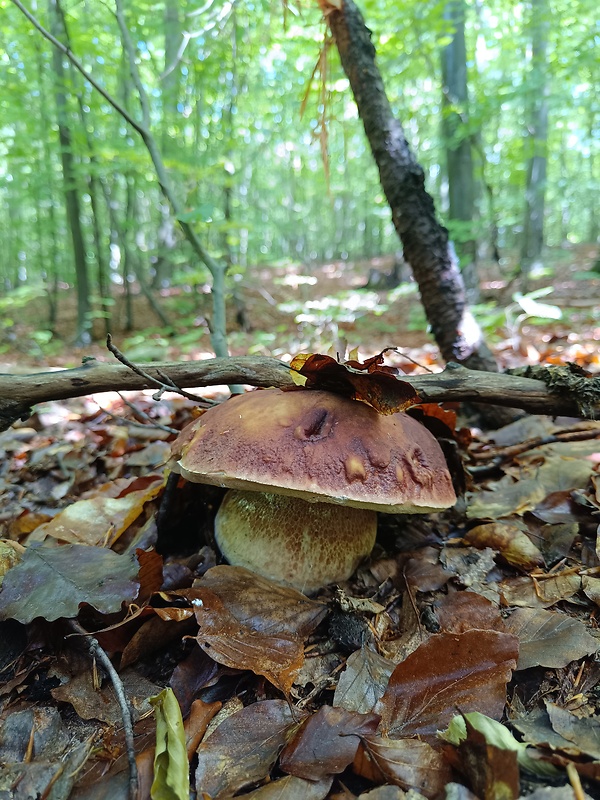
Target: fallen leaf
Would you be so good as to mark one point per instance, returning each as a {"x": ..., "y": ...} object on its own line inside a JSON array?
[
  {"x": 549, "y": 639},
  {"x": 464, "y": 611},
  {"x": 583, "y": 733},
  {"x": 363, "y": 681},
  {"x": 557, "y": 586},
  {"x": 514, "y": 546},
  {"x": 492, "y": 770},
  {"x": 292, "y": 788},
  {"x": 250, "y": 622},
  {"x": 52, "y": 582},
  {"x": 243, "y": 748},
  {"x": 171, "y": 768},
  {"x": 449, "y": 671},
  {"x": 100, "y": 520},
  {"x": 407, "y": 763},
  {"x": 371, "y": 382},
  {"x": 326, "y": 743},
  {"x": 495, "y": 735}
]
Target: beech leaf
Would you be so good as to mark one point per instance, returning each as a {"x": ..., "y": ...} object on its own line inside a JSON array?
[
  {"x": 549, "y": 639},
  {"x": 371, "y": 381},
  {"x": 408, "y": 763},
  {"x": 327, "y": 743},
  {"x": 363, "y": 681},
  {"x": 468, "y": 671},
  {"x": 250, "y": 622},
  {"x": 52, "y": 582},
  {"x": 243, "y": 748}
]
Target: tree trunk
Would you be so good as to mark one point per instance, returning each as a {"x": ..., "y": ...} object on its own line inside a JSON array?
[
  {"x": 457, "y": 141},
  {"x": 71, "y": 191},
  {"x": 537, "y": 140},
  {"x": 425, "y": 241}
]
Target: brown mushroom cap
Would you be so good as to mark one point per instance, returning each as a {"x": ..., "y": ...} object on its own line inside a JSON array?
[
  {"x": 304, "y": 545},
  {"x": 317, "y": 446}
]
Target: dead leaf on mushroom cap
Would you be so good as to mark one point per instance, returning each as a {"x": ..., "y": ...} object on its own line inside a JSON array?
[{"x": 370, "y": 382}]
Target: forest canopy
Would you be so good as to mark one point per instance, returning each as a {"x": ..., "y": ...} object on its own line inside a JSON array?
[{"x": 261, "y": 140}]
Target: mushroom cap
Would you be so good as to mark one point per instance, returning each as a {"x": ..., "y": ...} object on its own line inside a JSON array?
[
  {"x": 286, "y": 539},
  {"x": 318, "y": 446}
]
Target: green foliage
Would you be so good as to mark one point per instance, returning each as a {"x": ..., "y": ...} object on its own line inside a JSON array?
[{"x": 247, "y": 163}]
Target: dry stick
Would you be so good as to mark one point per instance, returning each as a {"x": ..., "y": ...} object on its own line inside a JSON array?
[
  {"x": 455, "y": 384},
  {"x": 164, "y": 385},
  {"x": 97, "y": 652}
]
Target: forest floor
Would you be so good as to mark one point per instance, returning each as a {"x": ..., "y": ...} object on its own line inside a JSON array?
[
  {"x": 331, "y": 308},
  {"x": 460, "y": 661}
]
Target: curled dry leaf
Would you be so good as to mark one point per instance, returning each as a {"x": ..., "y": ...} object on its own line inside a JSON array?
[
  {"x": 371, "y": 382},
  {"x": 100, "y": 520},
  {"x": 249, "y": 622},
  {"x": 244, "y": 748},
  {"x": 408, "y": 763},
  {"x": 514, "y": 546},
  {"x": 449, "y": 671},
  {"x": 326, "y": 743},
  {"x": 549, "y": 639}
]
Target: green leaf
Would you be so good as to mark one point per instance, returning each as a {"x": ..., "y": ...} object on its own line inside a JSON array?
[
  {"x": 497, "y": 735},
  {"x": 171, "y": 767}
]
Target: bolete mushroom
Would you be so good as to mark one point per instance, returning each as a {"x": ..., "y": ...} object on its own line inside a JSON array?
[{"x": 306, "y": 472}]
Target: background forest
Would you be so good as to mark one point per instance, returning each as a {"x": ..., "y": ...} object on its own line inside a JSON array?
[{"x": 254, "y": 132}]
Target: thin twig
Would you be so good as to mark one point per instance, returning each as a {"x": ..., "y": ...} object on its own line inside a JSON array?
[
  {"x": 165, "y": 385},
  {"x": 134, "y": 423},
  {"x": 97, "y": 652}
]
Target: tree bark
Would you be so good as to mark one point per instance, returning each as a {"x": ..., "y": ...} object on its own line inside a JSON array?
[
  {"x": 71, "y": 192},
  {"x": 537, "y": 140},
  {"x": 457, "y": 141},
  {"x": 425, "y": 241},
  {"x": 560, "y": 392}
]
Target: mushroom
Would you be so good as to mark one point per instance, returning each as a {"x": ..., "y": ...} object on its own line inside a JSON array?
[{"x": 307, "y": 471}]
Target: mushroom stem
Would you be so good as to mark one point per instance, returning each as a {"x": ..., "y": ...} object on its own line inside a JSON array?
[{"x": 301, "y": 544}]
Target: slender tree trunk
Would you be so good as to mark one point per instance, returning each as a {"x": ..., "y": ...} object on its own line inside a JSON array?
[
  {"x": 457, "y": 140},
  {"x": 537, "y": 140},
  {"x": 71, "y": 191},
  {"x": 425, "y": 241},
  {"x": 52, "y": 268}
]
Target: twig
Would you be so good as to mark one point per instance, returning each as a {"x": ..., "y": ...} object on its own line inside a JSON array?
[
  {"x": 134, "y": 423},
  {"x": 164, "y": 385},
  {"x": 97, "y": 652}
]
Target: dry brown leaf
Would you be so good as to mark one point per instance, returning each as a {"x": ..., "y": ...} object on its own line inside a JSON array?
[
  {"x": 407, "y": 763},
  {"x": 371, "y": 382},
  {"x": 583, "y": 733},
  {"x": 492, "y": 772},
  {"x": 449, "y": 671},
  {"x": 514, "y": 546},
  {"x": 549, "y": 639},
  {"x": 463, "y": 611},
  {"x": 244, "y": 748},
  {"x": 249, "y": 622},
  {"x": 363, "y": 681},
  {"x": 326, "y": 743},
  {"x": 99, "y": 520}
]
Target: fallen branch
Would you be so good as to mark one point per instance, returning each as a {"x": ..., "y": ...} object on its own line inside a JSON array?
[{"x": 543, "y": 395}]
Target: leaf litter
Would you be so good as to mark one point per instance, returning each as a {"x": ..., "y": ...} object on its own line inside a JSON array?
[{"x": 486, "y": 612}]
